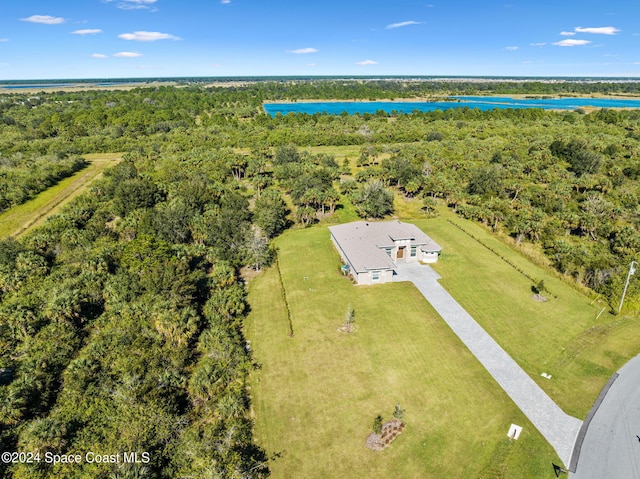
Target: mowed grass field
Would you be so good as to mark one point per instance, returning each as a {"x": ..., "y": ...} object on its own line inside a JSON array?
[
  {"x": 19, "y": 219},
  {"x": 561, "y": 337},
  {"x": 317, "y": 393}
]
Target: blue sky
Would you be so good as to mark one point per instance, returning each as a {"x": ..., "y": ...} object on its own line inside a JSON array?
[{"x": 43, "y": 39}]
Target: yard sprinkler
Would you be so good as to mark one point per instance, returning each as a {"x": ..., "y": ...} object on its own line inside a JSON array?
[{"x": 632, "y": 270}]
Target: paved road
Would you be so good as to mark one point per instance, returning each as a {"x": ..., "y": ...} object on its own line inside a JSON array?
[
  {"x": 558, "y": 428},
  {"x": 610, "y": 448}
]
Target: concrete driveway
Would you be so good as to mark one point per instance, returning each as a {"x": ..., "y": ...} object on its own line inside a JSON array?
[{"x": 558, "y": 428}]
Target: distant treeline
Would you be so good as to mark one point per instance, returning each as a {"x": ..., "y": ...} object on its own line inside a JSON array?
[{"x": 67, "y": 124}]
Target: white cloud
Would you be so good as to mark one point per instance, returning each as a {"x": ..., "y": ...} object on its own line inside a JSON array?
[
  {"x": 568, "y": 34},
  {"x": 4, "y": 39},
  {"x": 143, "y": 36},
  {"x": 571, "y": 43},
  {"x": 87, "y": 31},
  {"x": 135, "y": 4},
  {"x": 302, "y": 51},
  {"x": 46, "y": 19},
  {"x": 598, "y": 30},
  {"x": 511, "y": 48},
  {"x": 402, "y": 24},
  {"x": 225, "y": 1},
  {"x": 541, "y": 44},
  {"x": 367, "y": 62},
  {"x": 98, "y": 55},
  {"x": 127, "y": 54}
]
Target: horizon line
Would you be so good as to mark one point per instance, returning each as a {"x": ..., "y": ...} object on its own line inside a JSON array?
[{"x": 199, "y": 78}]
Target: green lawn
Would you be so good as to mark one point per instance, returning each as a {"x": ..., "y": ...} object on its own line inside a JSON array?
[
  {"x": 317, "y": 393},
  {"x": 560, "y": 337},
  {"x": 19, "y": 219}
]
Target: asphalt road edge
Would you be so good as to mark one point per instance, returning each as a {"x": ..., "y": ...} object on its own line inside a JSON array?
[{"x": 585, "y": 425}]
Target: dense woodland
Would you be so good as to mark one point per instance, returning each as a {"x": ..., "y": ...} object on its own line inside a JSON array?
[{"x": 121, "y": 318}]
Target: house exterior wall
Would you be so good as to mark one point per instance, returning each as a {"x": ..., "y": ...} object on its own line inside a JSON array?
[
  {"x": 407, "y": 252},
  {"x": 384, "y": 276},
  {"x": 427, "y": 256},
  {"x": 397, "y": 245}
]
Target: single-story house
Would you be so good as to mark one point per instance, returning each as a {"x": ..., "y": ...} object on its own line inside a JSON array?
[{"x": 371, "y": 250}]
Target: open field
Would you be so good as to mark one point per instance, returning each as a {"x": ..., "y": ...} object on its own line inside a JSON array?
[
  {"x": 317, "y": 393},
  {"x": 560, "y": 337},
  {"x": 78, "y": 87},
  {"x": 19, "y": 219}
]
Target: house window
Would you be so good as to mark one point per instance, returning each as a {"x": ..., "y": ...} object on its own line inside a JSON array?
[
  {"x": 413, "y": 251},
  {"x": 375, "y": 276},
  {"x": 388, "y": 251}
]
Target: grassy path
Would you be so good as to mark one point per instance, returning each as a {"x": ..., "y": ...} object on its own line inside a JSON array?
[{"x": 19, "y": 219}]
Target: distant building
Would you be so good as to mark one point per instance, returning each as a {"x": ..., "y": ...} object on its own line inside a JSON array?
[{"x": 371, "y": 250}]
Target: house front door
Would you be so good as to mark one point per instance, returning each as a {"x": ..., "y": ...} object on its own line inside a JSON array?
[{"x": 400, "y": 254}]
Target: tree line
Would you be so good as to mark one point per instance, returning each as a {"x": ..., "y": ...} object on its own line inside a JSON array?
[{"x": 23, "y": 177}]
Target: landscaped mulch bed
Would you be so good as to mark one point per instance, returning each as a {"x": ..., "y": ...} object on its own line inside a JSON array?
[{"x": 390, "y": 430}]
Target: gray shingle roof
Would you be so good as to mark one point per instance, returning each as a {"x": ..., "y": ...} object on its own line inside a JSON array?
[{"x": 361, "y": 242}]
